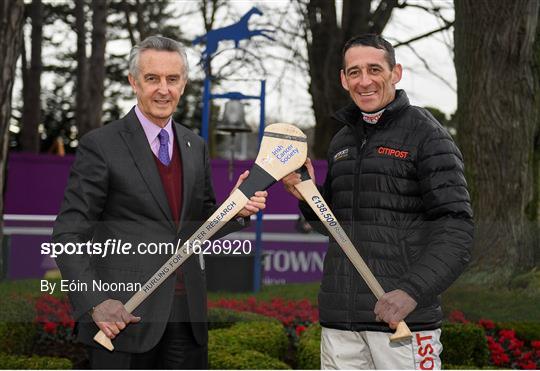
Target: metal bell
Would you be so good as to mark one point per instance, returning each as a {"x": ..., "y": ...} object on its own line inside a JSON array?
[{"x": 233, "y": 119}]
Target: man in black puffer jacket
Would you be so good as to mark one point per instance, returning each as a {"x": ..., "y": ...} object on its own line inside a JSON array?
[{"x": 396, "y": 183}]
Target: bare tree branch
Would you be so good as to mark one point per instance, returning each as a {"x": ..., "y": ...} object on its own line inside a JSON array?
[
  {"x": 419, "y": 37},
  {"x": 428, "y": 68},
  {"x": 430, "y": 10},
  {"x": 128, "y": 23}
]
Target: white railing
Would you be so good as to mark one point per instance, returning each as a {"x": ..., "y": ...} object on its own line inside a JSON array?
[{"x": 266, "y": 236}]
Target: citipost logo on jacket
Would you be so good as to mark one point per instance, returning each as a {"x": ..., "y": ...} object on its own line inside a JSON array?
[{"x": 392, "y": 152}]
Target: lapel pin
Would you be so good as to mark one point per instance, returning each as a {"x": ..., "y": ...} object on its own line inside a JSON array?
[{"x": 189, "y": 144}]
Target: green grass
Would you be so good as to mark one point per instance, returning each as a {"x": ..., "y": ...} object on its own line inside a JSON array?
[
  {"x": 495, "y": 304},
  {"x": 31, "y": 287},
  {"x": 475, "y": 301},
  {"x": 291, "y": 291},
  {"x": 25, "y": 287}
]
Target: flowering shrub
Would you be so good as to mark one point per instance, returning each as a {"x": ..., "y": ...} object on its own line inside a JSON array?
[
  {"x": 53, "y": 316},
  {"x": 506, "y": 349},
  {"x": 457, "y": 316},
  {"x": 295, "y": 315}
]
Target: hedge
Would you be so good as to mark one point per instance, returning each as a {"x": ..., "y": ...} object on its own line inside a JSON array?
[
  {"x": 248, "y": 345},
  {"x": 464, "y": 344},
  {"x": 267, "y": 337},
  {"x": 17, "y": 328},
  {"x": 224, "y": 318},
  {"x": 243, "y": 360},
  {"x": 16, "y": 337},
  {"x": 464, "y": 347},
  {"x": 18, "y": 362},
  {"x": 308, "y": 354}
]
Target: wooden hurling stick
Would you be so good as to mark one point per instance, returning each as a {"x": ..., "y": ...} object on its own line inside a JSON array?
[{"x": 313, "y": 197}]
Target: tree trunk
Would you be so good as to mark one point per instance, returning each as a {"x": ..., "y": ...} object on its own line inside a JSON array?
[
  {"x": 141, "y": 24},
  {"x": 81, "y": 92},
  {"x": 324, "y": 65},
  {"x": 496, "y": 119},
  {"x": 11, "y": 26},
  {"x": 534, "y": 206},
  {"x": 31, "y": 115},
  {"x": 324, "y": 39},
  {"x": 97, "y": 65}
]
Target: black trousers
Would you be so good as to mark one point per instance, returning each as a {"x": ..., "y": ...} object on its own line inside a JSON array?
[{"x": 177, "y": 349}]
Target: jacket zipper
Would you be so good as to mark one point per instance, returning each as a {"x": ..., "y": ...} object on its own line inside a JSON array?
[{"x": 357, "y": 172}]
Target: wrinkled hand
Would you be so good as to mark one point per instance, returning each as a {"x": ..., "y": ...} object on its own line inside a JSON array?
[
  {"x": 393, "y": 307},
  {"x": 256, "y": 202},
  {"x": 293, "y": 178},
  {"x": 111, "y": 317}
]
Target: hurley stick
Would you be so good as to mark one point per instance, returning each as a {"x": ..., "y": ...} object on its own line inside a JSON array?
[
  {"x": 312, "y": 196},
  {"x": 283, "y": 150}
]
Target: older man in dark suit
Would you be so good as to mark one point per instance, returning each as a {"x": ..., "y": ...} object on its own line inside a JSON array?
[{"x": 142, "y": 179}]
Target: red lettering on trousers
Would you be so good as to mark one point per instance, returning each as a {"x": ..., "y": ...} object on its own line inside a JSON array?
[
  {"x": 426, "y": 360},
  {"x": 426, "y": 363},
  {"x": 419, "y": 338},
  {"x": 427, "y": 350}
]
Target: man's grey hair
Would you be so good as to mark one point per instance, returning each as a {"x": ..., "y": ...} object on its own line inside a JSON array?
[{"x": 156, "y": 43}]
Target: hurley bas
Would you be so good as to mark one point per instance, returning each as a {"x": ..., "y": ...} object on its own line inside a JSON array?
[{"x": 95, "y": 285}]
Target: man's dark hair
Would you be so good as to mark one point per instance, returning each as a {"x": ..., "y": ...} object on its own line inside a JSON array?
[{"x": 373, "y": 40}]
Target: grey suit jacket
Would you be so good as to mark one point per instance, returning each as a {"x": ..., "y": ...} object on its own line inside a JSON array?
[{"x": 115, "y": 192}]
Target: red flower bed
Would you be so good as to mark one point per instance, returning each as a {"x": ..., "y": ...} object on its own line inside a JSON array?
[
  {"x": 54, "y": 318},
  {"x": 506, "y": 349},
  {"x": 295, "y": 315},
  {"x": 55, "y": 327}
]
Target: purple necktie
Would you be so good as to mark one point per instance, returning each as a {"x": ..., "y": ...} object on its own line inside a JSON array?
[{"x": 163, "y": 153}]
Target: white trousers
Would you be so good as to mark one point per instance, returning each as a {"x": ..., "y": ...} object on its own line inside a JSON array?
[{"x": 373, "y": 350}]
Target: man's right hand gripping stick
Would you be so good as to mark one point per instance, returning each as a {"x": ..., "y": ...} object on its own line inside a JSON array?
[{"x": 312, "y": 196}]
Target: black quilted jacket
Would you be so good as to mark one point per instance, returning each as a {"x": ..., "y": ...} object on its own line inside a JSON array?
[{"x": 398, "y": 189}]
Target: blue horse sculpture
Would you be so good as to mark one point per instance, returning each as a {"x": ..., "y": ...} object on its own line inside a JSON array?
[{"x": 236, "y": 32}]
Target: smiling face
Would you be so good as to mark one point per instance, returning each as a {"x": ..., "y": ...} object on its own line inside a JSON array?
[
  {"x": 368, "y": 77},
  {"x": 159, "y": 84}
]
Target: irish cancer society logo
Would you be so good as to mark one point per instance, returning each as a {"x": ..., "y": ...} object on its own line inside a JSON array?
[{"x": 285, "y": 154}]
